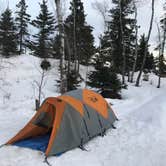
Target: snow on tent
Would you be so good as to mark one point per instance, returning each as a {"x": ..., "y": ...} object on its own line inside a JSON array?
[{"x": 65, "y": 122}]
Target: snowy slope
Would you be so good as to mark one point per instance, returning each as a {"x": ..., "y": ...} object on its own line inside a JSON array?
[{"x": 139, "y": 140}]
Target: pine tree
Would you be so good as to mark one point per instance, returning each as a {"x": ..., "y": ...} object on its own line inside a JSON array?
[
  {"x": 8, "y": 37},
  {"x": 79, "y": 33},
  {"x": 149, "y": 63},
  {"x": 45, "y": 23},
  {"x": 22, "y": 21},
  {"x": 121, "y": 32}
]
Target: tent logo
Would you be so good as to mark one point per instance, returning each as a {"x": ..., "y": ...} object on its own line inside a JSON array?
[{"x": 93, "y": 99}]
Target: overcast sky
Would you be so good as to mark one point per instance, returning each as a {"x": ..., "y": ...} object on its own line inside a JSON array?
[{"x": 95, "y": 20}]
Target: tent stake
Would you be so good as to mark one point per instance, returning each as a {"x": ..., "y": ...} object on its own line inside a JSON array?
[
  {"x": 83, "y": 148},
  {"x": 113, "y": 126}
]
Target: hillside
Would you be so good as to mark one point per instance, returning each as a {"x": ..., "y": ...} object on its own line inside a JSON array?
[{"x": 139, "y": 139}]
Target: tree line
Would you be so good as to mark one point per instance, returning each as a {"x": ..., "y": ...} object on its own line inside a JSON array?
[{"x": 121, "y": 50}]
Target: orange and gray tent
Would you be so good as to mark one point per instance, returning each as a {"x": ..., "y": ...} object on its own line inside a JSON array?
[{"x": 66, "y": 122}]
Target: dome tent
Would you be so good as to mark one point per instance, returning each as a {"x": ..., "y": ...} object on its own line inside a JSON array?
[{"x": 65, "y": 122}]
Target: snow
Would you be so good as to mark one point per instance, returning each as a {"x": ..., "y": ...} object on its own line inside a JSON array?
[{"x": 139, "y": 139}]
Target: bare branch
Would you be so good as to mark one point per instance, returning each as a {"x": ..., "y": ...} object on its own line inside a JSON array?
[{"x": 102, "y": 8}]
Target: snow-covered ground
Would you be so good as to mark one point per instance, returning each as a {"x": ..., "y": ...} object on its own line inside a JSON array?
[{"x": 139, "y": 140}]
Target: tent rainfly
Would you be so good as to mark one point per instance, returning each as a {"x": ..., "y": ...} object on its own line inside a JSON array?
[{"x": 66, "y": 122}]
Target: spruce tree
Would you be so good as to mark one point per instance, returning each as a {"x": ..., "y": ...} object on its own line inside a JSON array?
[
  {"x": 105, "y": 47},
  {"x": 149, "y": 63},
  {"x": 160, "y": 65},
  {"x": 115, "y": 27},
  {"x": 79, "y": 33},
  {"x": 73, "y": 80},
  {"x": 8, "y": 36},
  {"x": 45, "y": 24},
  {"x": 22, "y": 20},
  {"x": 104, "y": 79},
  {"x": 56, "y": 43}
]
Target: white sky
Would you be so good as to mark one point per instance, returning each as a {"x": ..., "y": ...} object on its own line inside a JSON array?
[{"x": 95, "y": 20}]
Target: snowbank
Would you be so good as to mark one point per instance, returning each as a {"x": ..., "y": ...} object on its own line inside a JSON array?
[{"x": 139, "y": 139}]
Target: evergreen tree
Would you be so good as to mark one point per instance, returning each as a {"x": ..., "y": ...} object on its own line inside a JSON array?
[
  {"x": 104, "y": 77},
  {"x": 73, "y": 80},
  {"x": 8, "y": 37},
  {"x": 105, "y": 47},
  {"x": 124, "y": 10},
  {"x": 79, "y": 33},
  {"x": 56, "y": 43},
  {"x": 45, "y": 23},
  {"x": 160, "y": 65},
  {"x": 149, "y": 63},
  {"x": 22, "y": 21}
]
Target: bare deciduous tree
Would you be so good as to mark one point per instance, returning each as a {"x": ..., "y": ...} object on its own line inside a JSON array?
[
  {"x": 45, "y": 67},
  {"x": 63, "y": 85},
  {"x": 147, "y": 41},
  {"x": 123, "y": 44},
  {"x": 76, "y": 63},
  {"x": 136, "y": 44},
  {"x": 161, "y": 48},
  {"x": 102, "y": 7},
  {"x": 39, "y": 85},
  {"x": 159, "y": 59}
]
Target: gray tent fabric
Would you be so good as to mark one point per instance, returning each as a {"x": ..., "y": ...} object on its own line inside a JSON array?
[
  {"x": 69, "y": 135},
  {"x": 43, "y": 120},
  {"x": 76, "y": 94},
  {"x": 76, "y": 130},
  {"x": 70, "y": 121}
]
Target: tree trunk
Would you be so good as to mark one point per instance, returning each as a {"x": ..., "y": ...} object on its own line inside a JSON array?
[
  {"x": 63, "y": 85},
  {"x": 78, "y": 64},
  {"x": 123, "y": 45},
  {"x": 161, "y": 50},
  {"x": 69, "y": 64},
  {"x": 37, "y": 104},
  {"x": 146, "y": 46},
  {"x": 159, "y": 74},
  {"x": 74, "y": 41},
  {"x": 136, "y": 46},
  {"x": 21, "y": 43},
  {"x": 129, "y": 76},
  {"x": 40, "y": 85},
  {"x": 21, "y": 39},
  {"x": 69, "y": 54}
]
